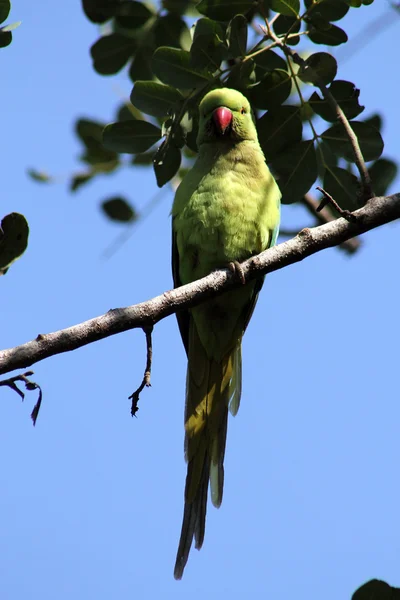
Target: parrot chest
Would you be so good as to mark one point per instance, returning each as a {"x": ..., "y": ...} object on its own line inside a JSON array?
[{"x": 228, "y": 215}]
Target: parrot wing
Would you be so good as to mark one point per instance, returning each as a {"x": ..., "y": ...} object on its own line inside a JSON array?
[{"x": 182, "y": 316}]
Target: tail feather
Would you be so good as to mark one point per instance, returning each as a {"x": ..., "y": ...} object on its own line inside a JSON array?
[
  {"x": 211, "y": 385},
  {"x": 185, "y": 541},
  {"x": 194, "y": 519},
  {"x": 201, "y": 506},
  {"x": 217, "y": 462},
  {"x": 236, "y": 382}
]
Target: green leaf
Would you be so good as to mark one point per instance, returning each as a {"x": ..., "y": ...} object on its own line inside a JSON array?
[
  {"x": 296, "y": 168},
  {"x": 127, "y": 112},
  {"x": 374, "y": 120},
  {"x": 329, "y": 37},
  {"x": 207, "y": 50},
  {"x": 272, "y": 90},
  {"x": 236, "y": 34},
  {"x": 282, "y": 25},
  {"x": 191, "y": 135},
  {"x": 205, "y": 26},
  {"x": 178, "y": 7},
  {"x": 39, "y": 176},
  {"x": 331, "y": 10},
  {"x": 155, "y": 99},
  {"x": 143, "y": 160},
  {"x": 5, "y": 38},
  {"x": 118, "y": 209},
  {"x": 289, "y": 8},
  {"x": 111, "y": 52},
  {"x": 279, "y": 129},
  {"x": 268, "y": 61},
  {"x": 80, "y": 179},
  {"x": 166, "y": 162},
  {"x": 141, "y": 68},
  {"x": 91, "y": 134},
  {"x": 14, "y": 234},
  {"x": 173, "y": 67},
  {"x": 375, "y": 589},
  {"x": 177, "y": 133},
  {"x": 132, "y": 14},
  {"x": 4, "y": 10},
  {"x": 241, "y": 76},
  {"x": 383, "y": 172},
  {"x": 316, "y": 22},
  {"x": 224, "y": 10},
  {"x": 171, "y": 30},
  {"x": 130, "y": 136},
  {"x": 342, "y": 186},
  {"x": 369, "y": 139},
  {"x": 346, "y": 95},
  {"x": 105, "y": 167},
  {"x": 306, "y": 112},
  {"x": 319, "y": 67},
  {"x": 325, "y": 158},
  {"x": 99, "y": 11}
]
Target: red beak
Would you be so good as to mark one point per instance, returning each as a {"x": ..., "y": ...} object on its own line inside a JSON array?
[{"x": 222, "y": 118}]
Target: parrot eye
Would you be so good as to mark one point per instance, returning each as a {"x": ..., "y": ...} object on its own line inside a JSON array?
[{"x": 243, "y": 110}]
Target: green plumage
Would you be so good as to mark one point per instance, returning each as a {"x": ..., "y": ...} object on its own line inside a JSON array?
[{"x": 226, "y": 209}]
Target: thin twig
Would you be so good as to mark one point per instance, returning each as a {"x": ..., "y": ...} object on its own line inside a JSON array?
[
  {"x": 270, "y": 46},
  {"x": 147, "y": 372},
  {"x": 366, "y": 182},
  {"x": 300, "y": 18},
  {"x": 328, "y": 199},
  {"x": 324, "y": 216},
  {"x": 29, "y": 385},
  {"x": 274, "y": 18},
  {"x": 358, "y": 157}
]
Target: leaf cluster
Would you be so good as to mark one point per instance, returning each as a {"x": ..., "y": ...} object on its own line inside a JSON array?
[
  {"x": 176, "y": 54},
  {"x": 5, "y": 30}
]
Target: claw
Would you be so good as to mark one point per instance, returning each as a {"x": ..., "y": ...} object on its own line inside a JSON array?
[{"x": 237, "y": 270}]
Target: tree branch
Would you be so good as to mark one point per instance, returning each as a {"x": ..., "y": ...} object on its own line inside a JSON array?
[
  {"x": 376, "y": 212},
  {"x": 324, "y": 216}
]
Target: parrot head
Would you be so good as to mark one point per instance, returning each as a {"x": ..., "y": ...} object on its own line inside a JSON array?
[{"x": 225, "y": 114}]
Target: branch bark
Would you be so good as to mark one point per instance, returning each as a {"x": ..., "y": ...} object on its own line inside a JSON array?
[{"x": 376, "y": 212}]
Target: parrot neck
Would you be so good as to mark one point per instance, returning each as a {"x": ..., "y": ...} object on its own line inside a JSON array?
[
  {"x": 227, "y": 146},
  {"x": 230, "y": 154}
]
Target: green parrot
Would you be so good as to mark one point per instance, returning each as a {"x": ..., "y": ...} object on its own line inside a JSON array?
[
  {"x": 226, "y": 209},
  {"x": 14, "y": 232}
]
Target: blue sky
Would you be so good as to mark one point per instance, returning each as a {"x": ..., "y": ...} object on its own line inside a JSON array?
[{"x": 91, "y": 499}]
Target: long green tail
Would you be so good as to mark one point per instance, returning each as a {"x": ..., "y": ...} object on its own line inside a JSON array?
[{"x": 211, "y": 385}]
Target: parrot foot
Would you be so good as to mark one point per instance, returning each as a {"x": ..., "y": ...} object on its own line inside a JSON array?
[{"x": 237, "y": 270}]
